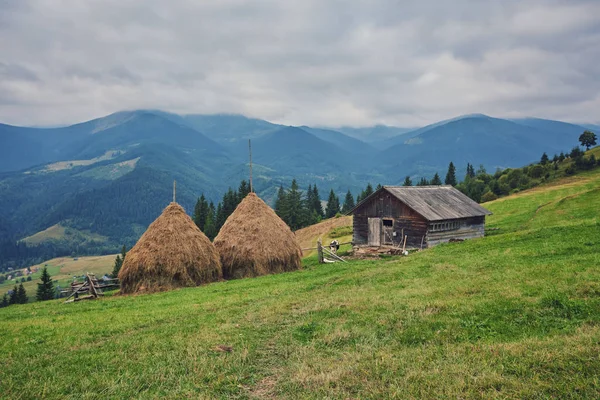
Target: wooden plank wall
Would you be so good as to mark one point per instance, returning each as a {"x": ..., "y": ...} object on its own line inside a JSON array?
[
  {"x": 385, "y": 205},
  {"x": 470, "y": 228}
]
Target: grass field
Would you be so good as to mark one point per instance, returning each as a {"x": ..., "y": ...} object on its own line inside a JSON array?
[
  {"x": 513, "y": 315},
  {"x": 58, "y": 232},
  {"x": 62, "y": 270}
]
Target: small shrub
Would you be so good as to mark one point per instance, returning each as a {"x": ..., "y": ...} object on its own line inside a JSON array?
[
  {"x": 488, "y": 196},
  {"x": 536, "y": 171}
]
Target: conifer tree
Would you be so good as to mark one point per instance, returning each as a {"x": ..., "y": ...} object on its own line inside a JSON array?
[
  {"x": 210, "y": 228},
  {"x": 451, "y": 175},
  {"x": 118, "y": 262},
  {"x": 378, "y": 186},
  {"x": 316, "y": 205},
  {"x": 4, "y": 302},
  {"x": 436, "y": 180},
  {"x": 314, "y": 210},
  {"x": 45, "y": 290},
  {"x": 243, "y": 190},
  {"x": 310, "y": 198},
  {"x": 230, "y": 202},
  {"x": 13, "y": 299},
  {"x": 196, "y": 215},
  {"x": 333, "y": 205},
  {"x": 281, "y": 203},
  {"x": 544, "y": 160},
  {"x": 22, "y": 295},
  {"x": 296, "y": 212},
  {"x": 200, "y": 212},
  {"x": 365, "y": 193},
  {"x": 575, "y": 152},
  {"x": 470, "y": 172},
  {"x": 348, "y": 203},
  {"x": 561, "y": 156},
  {"x": 219, "y": 217},
  {"x": 407, "y": 181},
  {"x": 423, "y": 182}
]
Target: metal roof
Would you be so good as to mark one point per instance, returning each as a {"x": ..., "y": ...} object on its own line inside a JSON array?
[{"x": 434, "y": 203}]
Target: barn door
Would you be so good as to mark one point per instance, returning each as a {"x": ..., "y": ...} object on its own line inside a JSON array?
[
  {"x": 374, "y": 231},
  {"x": 388, "y": 231}
]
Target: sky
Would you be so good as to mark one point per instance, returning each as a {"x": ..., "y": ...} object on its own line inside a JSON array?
[{"x": 309, "y": 62}]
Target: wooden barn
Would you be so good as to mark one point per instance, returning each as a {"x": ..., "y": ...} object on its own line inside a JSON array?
[{"x": 427, "y": 215}]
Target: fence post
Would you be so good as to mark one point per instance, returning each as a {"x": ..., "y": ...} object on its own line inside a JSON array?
[{"x": 320, "y": 251}]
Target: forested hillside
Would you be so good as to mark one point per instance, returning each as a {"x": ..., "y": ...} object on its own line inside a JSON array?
[{"x": 105, "y": 180}]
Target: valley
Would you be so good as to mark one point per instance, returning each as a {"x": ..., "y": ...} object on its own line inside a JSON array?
[
  {"x": 62, "y": 270},
  {"x": 105, "y": 180}
]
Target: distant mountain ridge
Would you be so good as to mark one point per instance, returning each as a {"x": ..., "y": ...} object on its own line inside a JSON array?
[{"x": 111, "y": 176}]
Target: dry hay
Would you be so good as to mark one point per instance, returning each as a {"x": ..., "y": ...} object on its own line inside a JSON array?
[
  {"x": 255, "y": 241},
  {"x": 172, "y": 253}
]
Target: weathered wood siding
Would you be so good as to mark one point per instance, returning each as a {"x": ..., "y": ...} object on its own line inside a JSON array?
[
  {"x": 469, "y": 228},
  {"x": 405, "y": 220}
]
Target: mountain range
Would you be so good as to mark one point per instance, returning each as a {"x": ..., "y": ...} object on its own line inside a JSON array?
[{"x": 113, "y": 175}]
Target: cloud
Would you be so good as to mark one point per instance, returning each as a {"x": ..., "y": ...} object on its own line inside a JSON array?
[{"x": 327, "y": 63}]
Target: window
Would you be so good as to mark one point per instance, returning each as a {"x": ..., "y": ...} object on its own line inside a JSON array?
[
  {"x": 445, "y": 226},
  {"x": 388, "y": 222}
]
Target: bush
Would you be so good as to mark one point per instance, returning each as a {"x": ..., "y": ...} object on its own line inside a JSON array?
[
  {"x": 582, "y": 162},
  {"x": 536, "y": 171},
  {"x": 488, "y": 196},
  {"x": 576, "y": 152}
]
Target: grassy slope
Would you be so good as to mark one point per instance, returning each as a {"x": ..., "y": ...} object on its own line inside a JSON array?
[
  {"x": 62, "y": 270},
  {"x": 327, "y": 230},
  {"x": 515, "y": 314},
  {"x": 58, "y": 232}
]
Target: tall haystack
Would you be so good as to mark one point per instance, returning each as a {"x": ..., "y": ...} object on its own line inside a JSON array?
[
  {"x": 172, "y": 253},
  {"x": 255, "y": 241}
]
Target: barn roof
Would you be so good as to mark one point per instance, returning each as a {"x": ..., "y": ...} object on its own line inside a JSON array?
[{"x": 434, "y": 203}]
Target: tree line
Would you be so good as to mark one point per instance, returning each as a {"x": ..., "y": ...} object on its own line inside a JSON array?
[
  {"x": 210, "y": 218},
  {"x": 18, "y": 295},
  {"x": 297, "y": 208}
]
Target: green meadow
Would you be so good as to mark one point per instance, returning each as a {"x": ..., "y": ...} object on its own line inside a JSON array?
[{"x": 513, "y": 315}]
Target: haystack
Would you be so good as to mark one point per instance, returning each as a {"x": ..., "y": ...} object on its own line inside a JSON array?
[
  {"x": 255, "y": 241},
  {"x": 172, "y": 253}
]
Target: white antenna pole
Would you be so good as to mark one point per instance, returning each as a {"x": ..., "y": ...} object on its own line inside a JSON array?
[
  {"x": 250, "y": 151},
  {"x": 174, "y": 190}
]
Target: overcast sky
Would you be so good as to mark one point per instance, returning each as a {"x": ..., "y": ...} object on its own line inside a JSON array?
[{"x": 313, "y": 62}]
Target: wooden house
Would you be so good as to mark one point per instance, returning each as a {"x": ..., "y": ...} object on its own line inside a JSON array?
[{"x": 427, "y": 215}]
